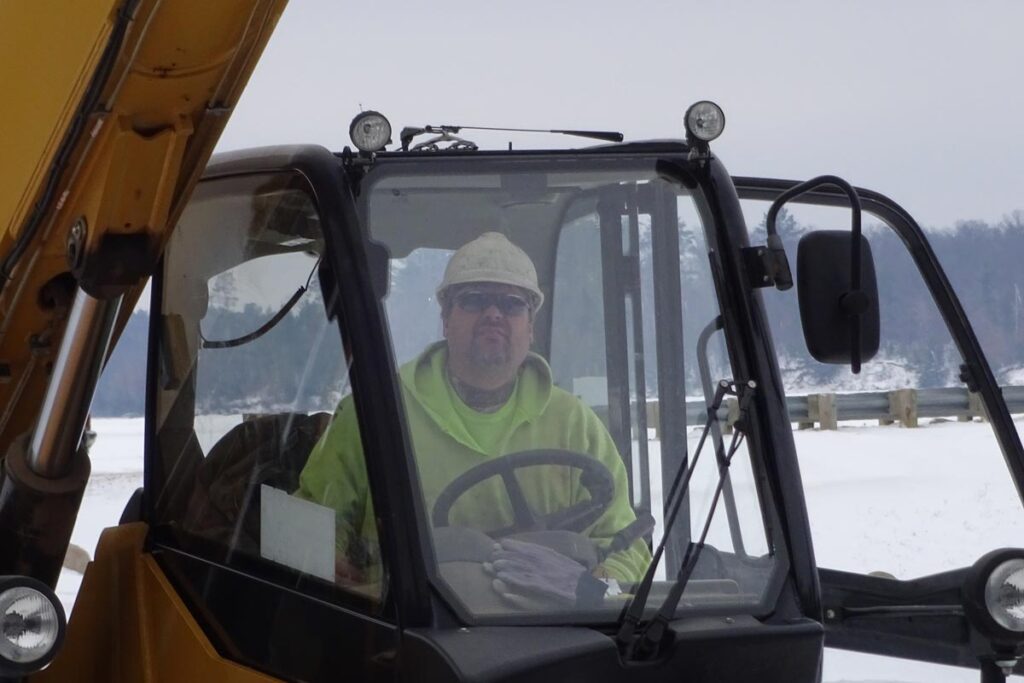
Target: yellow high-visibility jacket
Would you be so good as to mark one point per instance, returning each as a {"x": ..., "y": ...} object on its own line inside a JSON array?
[{"x": 449, "y": 438}]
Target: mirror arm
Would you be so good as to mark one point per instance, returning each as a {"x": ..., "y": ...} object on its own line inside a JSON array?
[{"x": 853, "y": 302}]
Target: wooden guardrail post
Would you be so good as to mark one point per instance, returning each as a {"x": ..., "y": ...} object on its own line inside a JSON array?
[
  {"x": 812, "y": 409},
  {"x": 977, "y": 407},
  {"x": 733, "y": 414},
  {"x": 821, "y": 408},
  {"x": 808, "y": 422},
  {"x": 903, "y": 406},
  {"x": 827, "y": 412},
  {"x": 654, "y": 418},
  {"x": 972, "y": 408}
]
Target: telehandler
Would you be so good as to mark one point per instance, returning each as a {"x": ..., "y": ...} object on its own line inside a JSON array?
[{"x": 289, "y": 281}]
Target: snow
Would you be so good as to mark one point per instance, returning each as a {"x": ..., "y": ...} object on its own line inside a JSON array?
[
  {"x": 910, "y": 502},
  {"x": 803, "y": 376},
  {"x": 116, "y": 473},
  {"x": 1011, "y": 376}
]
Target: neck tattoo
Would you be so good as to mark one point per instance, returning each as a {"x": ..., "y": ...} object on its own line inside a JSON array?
[{"x": 482, "y": 400}]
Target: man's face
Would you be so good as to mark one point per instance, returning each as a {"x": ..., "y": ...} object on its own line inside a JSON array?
[{"x": 489, "y": 328}]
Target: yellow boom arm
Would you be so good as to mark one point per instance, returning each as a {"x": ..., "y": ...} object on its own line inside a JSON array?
[{"x": 111, "y": 110}]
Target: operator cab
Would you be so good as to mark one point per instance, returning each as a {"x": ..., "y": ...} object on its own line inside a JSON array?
[{"x": 300, "y": 283}]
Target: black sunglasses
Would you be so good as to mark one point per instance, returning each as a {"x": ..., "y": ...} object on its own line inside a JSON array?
[{"x": 508, "y": 304}]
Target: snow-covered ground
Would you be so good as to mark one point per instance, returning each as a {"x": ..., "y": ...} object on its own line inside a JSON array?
[{"x": 909, "y": 502}]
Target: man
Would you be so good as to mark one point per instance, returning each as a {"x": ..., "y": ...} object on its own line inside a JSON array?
[{"x": 479, "y": 394}]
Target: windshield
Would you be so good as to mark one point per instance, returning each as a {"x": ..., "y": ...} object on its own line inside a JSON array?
[{"x": 558, "y": 340}]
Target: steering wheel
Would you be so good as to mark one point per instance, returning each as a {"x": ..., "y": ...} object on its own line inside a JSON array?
[{"x": 595, "y": 478}]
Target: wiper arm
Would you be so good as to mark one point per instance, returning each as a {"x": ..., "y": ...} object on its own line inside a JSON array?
[
  {"x": 651, "y": 638},
  {"x": 707, "y": 385},
  {"x": 633, "y": 612}
]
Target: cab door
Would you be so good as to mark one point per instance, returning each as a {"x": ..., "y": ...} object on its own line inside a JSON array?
[
  {"x": 267, "y": 330},
  {"x": 912, "y": 468}
]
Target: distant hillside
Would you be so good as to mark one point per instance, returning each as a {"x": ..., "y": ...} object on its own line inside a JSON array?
[
  {"x": 982, "y": 261},
  {"x": 121, "y": 388}
]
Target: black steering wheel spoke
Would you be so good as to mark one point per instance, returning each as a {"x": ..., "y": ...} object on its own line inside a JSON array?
[
  {"x": 523, "y": 517},
  {"x": 594, "y": 477}
]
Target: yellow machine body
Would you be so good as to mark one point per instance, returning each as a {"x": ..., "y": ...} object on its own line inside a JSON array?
[
  {"x": 109, "y": 130},
  {"x": 130, "y": 626}
]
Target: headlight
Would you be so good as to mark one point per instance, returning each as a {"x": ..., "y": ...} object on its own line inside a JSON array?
[
  {"x": 31, "y": 625},
  {"x": 994, "y": 597},
  {"x": 370, "y": 131},
  {"x": 704, "y": 121},
  {"x": 1004, "y": 594}
]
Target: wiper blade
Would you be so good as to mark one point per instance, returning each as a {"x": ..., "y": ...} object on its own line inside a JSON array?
[
  {"x": 634, "y": 610},
  {"x": 607, "y": 135},
  {"x": 652, "y": 635}
]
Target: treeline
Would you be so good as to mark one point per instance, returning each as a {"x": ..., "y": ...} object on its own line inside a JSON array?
[{"x": 983, "y": 262}]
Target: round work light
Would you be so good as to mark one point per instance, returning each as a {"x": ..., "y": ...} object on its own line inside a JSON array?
[
  {"x": 993, "y": 594},
  {"x": 704, "y": 121},
  {"x": 31, "y": 624},
  {"x": 370, "y": 131},
  {"x": 1004, "y": 595}
]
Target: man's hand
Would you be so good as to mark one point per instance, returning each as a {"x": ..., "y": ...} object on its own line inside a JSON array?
[
  {"x": 347, "y": 574},
  {"x": 529, "y": 569}
]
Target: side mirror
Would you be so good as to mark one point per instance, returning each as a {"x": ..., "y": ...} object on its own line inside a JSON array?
[{"x": 841, "y": 325}]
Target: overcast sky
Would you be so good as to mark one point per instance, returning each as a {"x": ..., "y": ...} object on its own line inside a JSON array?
[{"x": 921, "y": 100}]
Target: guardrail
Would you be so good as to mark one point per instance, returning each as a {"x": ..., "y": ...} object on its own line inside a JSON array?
[{"x": 827, "y": 410}]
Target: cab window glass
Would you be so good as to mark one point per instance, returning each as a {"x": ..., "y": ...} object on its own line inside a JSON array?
[
  {"x": 902, "y": 472},
  {"x": 982, "y": 262},
  {"x": 525, "y": 307},
  {"x": 412, "y": 301},
  {"x": 582, "y": 346},
  {"x": 251, "y": 371}
]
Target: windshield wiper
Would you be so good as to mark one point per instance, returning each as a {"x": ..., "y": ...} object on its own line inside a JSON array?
[
  {"x": 650, "y": 638},
  {"x": 448, "y": 134}
]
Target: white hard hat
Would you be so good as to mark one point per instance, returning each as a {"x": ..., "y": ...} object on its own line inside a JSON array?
[{"x": 491, "y": 257}]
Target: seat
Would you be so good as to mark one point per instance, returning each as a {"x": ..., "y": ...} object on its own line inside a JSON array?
[{"x": 269, "y": 449}]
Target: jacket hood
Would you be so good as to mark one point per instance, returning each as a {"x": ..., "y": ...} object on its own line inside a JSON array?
[{"x": 425, "y": 379}]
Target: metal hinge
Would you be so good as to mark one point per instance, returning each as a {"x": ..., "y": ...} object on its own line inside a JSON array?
[{"x": 767, "y": 265}]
